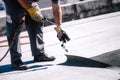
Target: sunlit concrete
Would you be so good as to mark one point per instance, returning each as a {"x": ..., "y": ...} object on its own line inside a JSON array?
[{"x": 91, "y": 38}]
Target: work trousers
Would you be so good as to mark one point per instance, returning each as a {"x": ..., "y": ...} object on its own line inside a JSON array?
[{"x": 14, "y": 22}]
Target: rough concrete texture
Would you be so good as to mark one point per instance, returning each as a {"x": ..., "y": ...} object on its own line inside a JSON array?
[
  {"x": 109, "y": 58},
  {"x": 92, "y": 40},
  {"x": 77, "y": 10}
]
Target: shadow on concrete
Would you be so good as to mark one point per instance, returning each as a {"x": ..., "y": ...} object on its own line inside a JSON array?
[
  {"x": 83, "y": 62},
  {"x": 71, "y": 61},
  {"x": 7, "y": 69}
]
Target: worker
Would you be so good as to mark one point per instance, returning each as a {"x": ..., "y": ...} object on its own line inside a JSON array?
[{"x": 19, "y": 11}]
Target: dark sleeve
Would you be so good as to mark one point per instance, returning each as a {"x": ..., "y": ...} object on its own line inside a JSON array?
[
  {"x": 56, "y": 1},
  {"x": 34, "y": 0}
]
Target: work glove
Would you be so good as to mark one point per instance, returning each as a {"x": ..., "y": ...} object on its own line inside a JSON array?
[
  {"x": 35, "y": 14},
  {"x": 61, "y": 34}
]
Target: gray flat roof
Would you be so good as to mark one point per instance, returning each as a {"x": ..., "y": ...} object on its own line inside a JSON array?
[{"x": 93, "y": 52}]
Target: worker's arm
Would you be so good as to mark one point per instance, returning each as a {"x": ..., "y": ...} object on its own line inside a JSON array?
[
  {"x": 25, "y": 4},
  {"x": 57, "y": 12}
]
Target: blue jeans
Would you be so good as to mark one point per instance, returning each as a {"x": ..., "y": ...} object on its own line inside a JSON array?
[{"x": 13, "y": 22}]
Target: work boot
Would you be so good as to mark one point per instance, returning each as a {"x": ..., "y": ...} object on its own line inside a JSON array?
[
  {"x": 18, "y": 65},
  {"x": 43, "y": 58}
]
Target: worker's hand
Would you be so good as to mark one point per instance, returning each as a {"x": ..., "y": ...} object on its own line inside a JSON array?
[
  {"x": 62, "y": 36},
  {"x": 35, "y": 14}
]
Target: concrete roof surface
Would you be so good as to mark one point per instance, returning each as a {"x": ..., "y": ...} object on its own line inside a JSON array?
[{"x": 93, "y": 52}]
